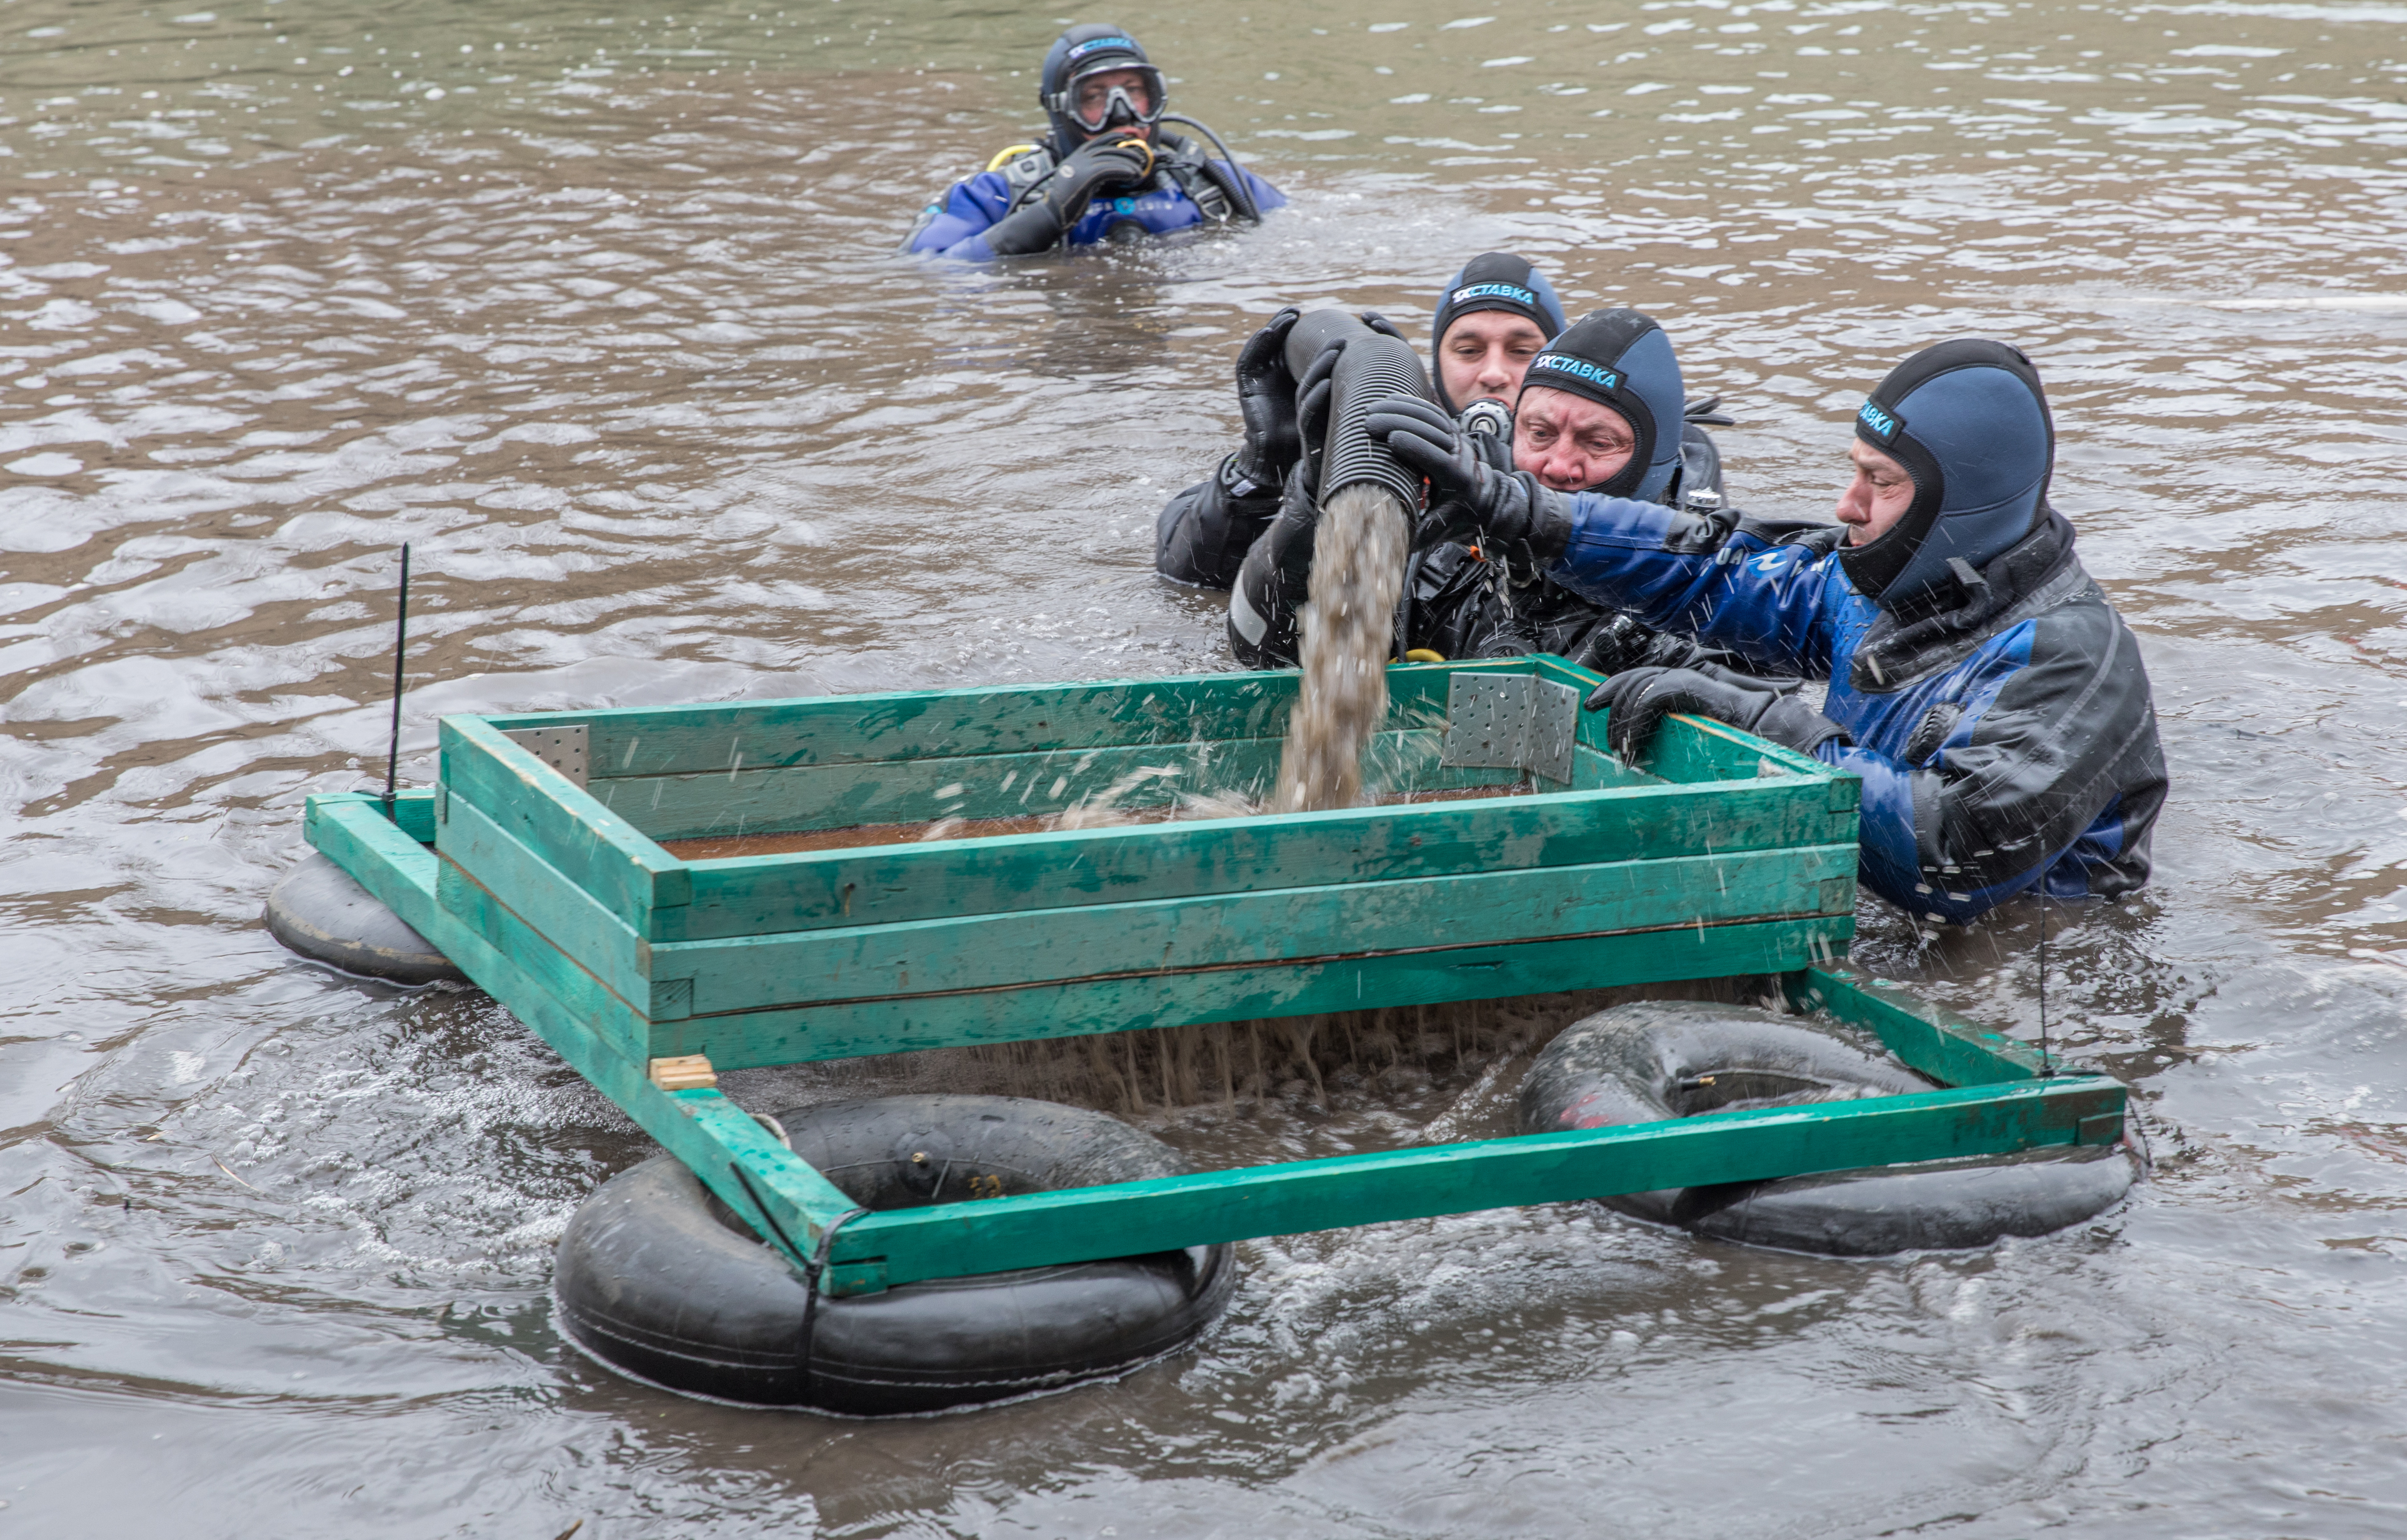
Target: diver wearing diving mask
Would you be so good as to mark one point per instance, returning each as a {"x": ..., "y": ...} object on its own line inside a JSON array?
[{"x": 1108, "y": 171}]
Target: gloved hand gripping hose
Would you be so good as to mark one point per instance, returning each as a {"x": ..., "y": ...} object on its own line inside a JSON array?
[
  {"x": 1342, "y": 364},
  {"x": 1365, "y": 500},
  {"x": 1373, "y": 363}
]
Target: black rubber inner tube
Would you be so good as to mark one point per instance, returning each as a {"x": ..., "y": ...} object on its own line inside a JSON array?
[
  {"x": 1653, "y": 1061},
  {"x": 658, "y": 1279},
  {"x": 319, "y": 912}
]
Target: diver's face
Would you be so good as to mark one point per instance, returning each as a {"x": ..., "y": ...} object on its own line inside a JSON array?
[
  {"x": 1093, "y": 99},
  {"x": 1569, "y": 442},
  {"x": 1486, "y": 353},
  {"x": 1878, "y": 496}
]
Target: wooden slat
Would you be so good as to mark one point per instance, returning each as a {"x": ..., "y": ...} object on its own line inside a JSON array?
[
  {"x": 817, "y": 889},
  {"x": 475, "y": 847},
  {"x": 1693, "y": 750},
  {"x": 551, "y": 815},
  {"x": 986, "y": 719},
  {"x": 929, "y": 956},
  {"x": 1434, "y": 977},
  {"x": 928, "y": 723},
  {"x": 1133, "y": 1218},
  {"x": 578, "y": 1020},
  {"x": 919, "y": 791},
  {"x": 350, "y": 830},
  {"x": 1953, "y": 1049},
  {"x": 413, "y": 811}
]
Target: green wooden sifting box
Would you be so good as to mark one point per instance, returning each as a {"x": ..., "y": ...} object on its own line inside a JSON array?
[{"x": 1513, "y": 856}]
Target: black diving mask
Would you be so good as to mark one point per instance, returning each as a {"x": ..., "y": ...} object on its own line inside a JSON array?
[{"x": 1096, "y": 104}]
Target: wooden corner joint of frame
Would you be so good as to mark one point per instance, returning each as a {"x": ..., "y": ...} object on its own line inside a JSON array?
[{"x": 687, "y": 1072}]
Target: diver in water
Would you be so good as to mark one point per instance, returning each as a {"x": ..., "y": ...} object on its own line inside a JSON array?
[
  {"x": 1602, "y": 409},
  {"x": 1600, "y": 405},
  {"x": 1992, "y": 700},
  {"x": 1495, "y": 316},
  {"x": 1108, "y": 171}
]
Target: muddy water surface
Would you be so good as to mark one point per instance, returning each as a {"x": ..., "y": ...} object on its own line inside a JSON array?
[{"x": 595, "y": 306}]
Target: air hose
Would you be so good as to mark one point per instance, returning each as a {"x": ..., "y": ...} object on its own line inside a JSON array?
[{"x": 1240, "y": 187}]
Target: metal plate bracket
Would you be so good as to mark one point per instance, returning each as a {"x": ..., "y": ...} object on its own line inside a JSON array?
[
  {"x": 562, "y": 747},
  {"x": 1511, "y": 721}
]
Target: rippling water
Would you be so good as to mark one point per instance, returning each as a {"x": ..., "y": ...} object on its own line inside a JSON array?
[{"x": 595, "y": 306}]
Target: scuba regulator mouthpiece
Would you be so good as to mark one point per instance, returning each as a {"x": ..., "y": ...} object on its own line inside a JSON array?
[{"x": 1487, "y": 418}]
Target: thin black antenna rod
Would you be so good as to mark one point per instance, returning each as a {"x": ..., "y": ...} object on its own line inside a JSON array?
[
  {"x": 2046, "y": 1065},
  {"x": 400, "y": 642}
]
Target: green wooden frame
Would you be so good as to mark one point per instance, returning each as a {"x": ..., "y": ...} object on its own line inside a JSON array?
[{"x": 1727, "y": 855}]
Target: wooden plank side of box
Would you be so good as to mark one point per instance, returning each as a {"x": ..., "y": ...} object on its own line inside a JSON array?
[
  {"x": 1205, "y": 1207},
  {"x": 604, "y": 854},
  {"x": 972, "y": 951},
  {"x": 475, "y": 847},
  {"x": 929, "y": 723},
  {"x": 1704, "y": 750},
  {"x": 951, "y": 723},
  {"x": 990, "y": 786},
  {"x": 1064, "y": 869},
  {"x": 1129, "y": 1001}
]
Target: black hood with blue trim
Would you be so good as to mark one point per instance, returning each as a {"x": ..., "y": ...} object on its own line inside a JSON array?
[
  {"x": 1969, "y": 423},
  {"x": 1621, "y": 359},
  {"x": 1493, "y": 280}
]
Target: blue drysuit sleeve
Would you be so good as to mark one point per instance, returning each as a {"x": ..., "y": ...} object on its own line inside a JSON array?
[
  {"x": 963, "y": 215},
  {"x": 1676, "y": 572}
]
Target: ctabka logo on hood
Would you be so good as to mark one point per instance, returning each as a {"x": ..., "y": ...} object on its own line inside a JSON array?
[
  {"x": 1578, "y": 368},
  {"x": 1092, "y": 45},
  {"x": 1494, "y": 290},
  {"x": 1879, "y": 421}
]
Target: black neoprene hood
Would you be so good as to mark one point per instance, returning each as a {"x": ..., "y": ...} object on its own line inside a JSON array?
[
  {"x": 1081, "y": 50},
  {"x": 1969, "y": 421},
  {"x": 1494, "y": 281},
  {"x": 1621, "y": 359}
]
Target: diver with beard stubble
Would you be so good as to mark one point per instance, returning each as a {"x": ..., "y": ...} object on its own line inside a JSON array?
[
  {"x": 1994, "y": 703},
  {"x": 1496, "y": 315},
  {"x": 1601, "y": 406},
  {"x": 1107, "y": 171}
]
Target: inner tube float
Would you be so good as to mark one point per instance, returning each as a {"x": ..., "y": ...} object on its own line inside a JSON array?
[
  {"x": 658, "y": 1279},
  {"x": 1653, "y": 1061},
  {"x": 320, "y": 912}
]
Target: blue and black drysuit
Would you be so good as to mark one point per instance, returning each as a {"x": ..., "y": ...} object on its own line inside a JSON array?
[
  {"x": 1186, "y": 190},
  {"x": 1980, "y": 684},
  {"x": 1999, "y": 712},
  {"x": 1109, "y": 176}
]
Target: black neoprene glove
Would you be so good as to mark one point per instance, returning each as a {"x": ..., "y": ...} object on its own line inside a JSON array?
[
  {"x": 1467, "y": 496},
  {"x": 1274, "y": 582},
  {"x": 1266, "y": 399},
  {"x": 1083, "y": 173},
  {"x": 1640, "y": 699}
]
